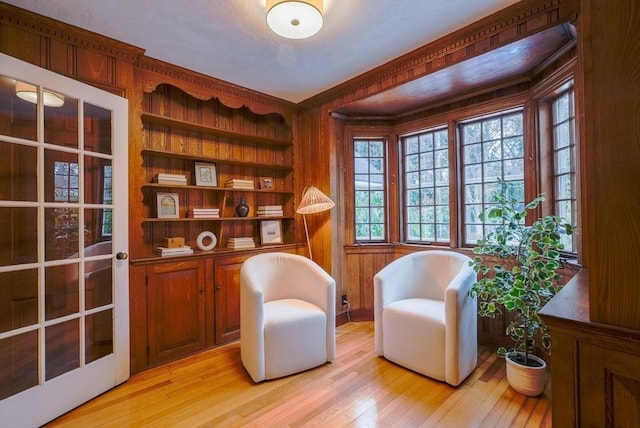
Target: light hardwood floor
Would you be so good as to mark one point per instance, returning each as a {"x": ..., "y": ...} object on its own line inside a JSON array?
[{"x": 359, "y": 389}]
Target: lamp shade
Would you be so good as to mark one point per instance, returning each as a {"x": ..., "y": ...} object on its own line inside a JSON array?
[
  {"x": 314, "y": 201},
  {"x": 294, "y": 19}
]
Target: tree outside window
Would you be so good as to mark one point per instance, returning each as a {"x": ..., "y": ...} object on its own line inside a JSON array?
[
  {"x": 369, "y": 183},
  {"x": 492, "y": 149},
  {"x": 426, "y": 179}
]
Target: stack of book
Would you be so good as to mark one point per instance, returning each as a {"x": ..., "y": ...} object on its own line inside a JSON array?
[
  {"x": 241, "y": 243},
  {"x": 165, "y": 251},
  {"x": 204, "y": 213},
  {"x": 237, "y": 183},
  {"x": 172, "y": 179},
  {"x": 269, "y": 211}
]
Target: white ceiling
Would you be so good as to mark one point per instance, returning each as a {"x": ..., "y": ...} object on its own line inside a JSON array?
[{"x": 230, "y": 40}]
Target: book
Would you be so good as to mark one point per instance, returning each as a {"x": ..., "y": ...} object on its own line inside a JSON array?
[
  {"x": 165, "y": 251},
  {"x": 241, "y": 247},
  {"x": 204, "y": 213},
  {"x": 270, "y": 213},
  {"x": 172, "y": 179},
  {"x": 270, "y": 207},
  {"x": 237, "y": 183}
]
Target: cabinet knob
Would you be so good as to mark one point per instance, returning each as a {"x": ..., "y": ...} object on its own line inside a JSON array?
[
  {"x": 202, "y": 290},
  {"x": 122, "y": 256},
  {"x": 217, "y": 288}
]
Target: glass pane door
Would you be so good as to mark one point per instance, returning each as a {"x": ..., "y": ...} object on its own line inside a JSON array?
[{"x": 63, "y": 218}]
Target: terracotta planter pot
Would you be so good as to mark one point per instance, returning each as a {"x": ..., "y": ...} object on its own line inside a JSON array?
[{"x": 526, "y": 380}]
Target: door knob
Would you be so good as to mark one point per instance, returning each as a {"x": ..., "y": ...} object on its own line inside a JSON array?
[{"x": 122, "y": 256}]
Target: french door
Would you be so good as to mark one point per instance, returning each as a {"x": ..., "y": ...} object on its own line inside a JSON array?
[{"x": 64, "y": 281}]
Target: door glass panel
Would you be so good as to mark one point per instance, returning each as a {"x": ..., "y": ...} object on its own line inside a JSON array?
[
  {"x": 18, "y": 363},
  {"x": 61, "y": 228},
  {"x": 62, "y": 182},
  {"x": 61, "y": 122},
  {"x": 17, "y": 116},
  {"x": 97, "y": 129},
  {"x": 98, "y": 335},
  {"x": 61, "y": 291},
  {"x": 18, "y": 172},
  {"x": 62, "y": 345},
  {"x": 21, "y": 245},
  {"x": 97, "y": 180},
  {"x": 19, "y": 303},
  {"x": 98, "y": 276}
]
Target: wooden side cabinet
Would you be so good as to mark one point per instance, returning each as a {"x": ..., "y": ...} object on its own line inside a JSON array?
[
  {"x": 227, "y": 298},
  {"x": 176, "y": 311},
  {"x": 595, "y": 367},
  {"x": 169, "y": 311}
]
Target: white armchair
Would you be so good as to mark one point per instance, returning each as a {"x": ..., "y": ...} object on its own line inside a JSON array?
[
  {"x": 424, "y": 319},
  {"x": 287, "y": 315}
]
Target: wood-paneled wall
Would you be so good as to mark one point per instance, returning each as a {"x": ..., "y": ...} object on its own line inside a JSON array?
[{"x": 609, "y": 48}]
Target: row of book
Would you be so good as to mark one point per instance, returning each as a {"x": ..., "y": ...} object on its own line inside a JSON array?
[
  {"x": 165, "y": 251},
  {"x": 171, "y": 179},
  {"x": 241, "y": 243},
  {"x": 204, "y": 213},
  {"x": 269, "y": 211},
  {"x": 238, "y": 183}
]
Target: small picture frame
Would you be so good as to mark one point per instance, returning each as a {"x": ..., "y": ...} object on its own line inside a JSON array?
[
  {"x": 206, "y": 174},
  {"x": 270, "y": 232},
  {"x": 168, "y": 205},
  {"x": 265, "y": 183}
]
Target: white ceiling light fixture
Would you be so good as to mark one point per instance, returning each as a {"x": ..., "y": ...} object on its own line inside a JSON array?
[
  {"x": 294, "y": 19},
  {"x": 29, "y": 93}
]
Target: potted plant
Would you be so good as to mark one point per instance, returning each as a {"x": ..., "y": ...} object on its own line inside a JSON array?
[{"x": 518, "y": 267}]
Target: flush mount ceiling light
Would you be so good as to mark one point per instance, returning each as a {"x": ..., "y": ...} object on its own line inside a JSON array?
[
  {"x": 29, "y": 93},
  {"x": 294, "y": 19}
]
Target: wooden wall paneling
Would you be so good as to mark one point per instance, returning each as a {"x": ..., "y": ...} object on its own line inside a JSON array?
[{"x": 611, "y": 134}]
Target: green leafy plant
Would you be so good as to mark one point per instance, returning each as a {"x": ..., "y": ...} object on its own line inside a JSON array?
[{"x": 518, "y": 267}]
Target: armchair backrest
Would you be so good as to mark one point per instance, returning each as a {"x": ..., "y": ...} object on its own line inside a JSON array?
[
  {"x": 434, "y": 271},
  {"x": 423, "y": 274},
  {"x": 288, "y": 276}
]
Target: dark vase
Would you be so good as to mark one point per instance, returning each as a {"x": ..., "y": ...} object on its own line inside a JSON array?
[{"x": 242, "y": 209}]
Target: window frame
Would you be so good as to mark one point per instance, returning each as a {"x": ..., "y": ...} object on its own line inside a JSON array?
[
  {"x": 402, "y": 158},
  {"x": 544, "y": 98},
  {"x": 460, "y": 147}
]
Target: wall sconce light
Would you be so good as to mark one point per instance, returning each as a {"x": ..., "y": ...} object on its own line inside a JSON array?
[
  {"x": 313, "y": 201},
  {"x": 29, "y": 93},
  {"x": 294, "y": 19}
]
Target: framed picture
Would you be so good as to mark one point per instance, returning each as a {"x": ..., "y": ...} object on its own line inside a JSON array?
[
  {"x": 270, "y": 232},
  {"x": 266, "y": 183},
  {"x": 168, "y": 205},
  {"x": 206, "y": 174}
]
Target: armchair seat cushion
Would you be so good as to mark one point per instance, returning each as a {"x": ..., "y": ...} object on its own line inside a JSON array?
[
  {"x": 419, "y": 335},
  {"x": 295, "y": 337}
]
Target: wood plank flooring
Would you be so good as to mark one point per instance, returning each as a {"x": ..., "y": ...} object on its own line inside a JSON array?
[{"x": 360, "y": 389}]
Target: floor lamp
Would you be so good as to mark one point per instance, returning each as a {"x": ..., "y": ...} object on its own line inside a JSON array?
[{"x": 313, "y": 201}]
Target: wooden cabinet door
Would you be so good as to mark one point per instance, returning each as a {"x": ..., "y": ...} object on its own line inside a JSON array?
[
  {"x": 609, "y": 385},
  {"x": 176, "y": 310},
  {"x": 227, "y": 298}
]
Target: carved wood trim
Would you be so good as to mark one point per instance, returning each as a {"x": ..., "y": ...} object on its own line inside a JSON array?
[
  {"x": 66, "y": 33},
  {"x": 155, "y": 72},
  {"x": 506, "y": 26}
]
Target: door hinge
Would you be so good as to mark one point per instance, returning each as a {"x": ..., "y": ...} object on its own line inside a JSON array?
[{"x": 146, "y": 280}]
